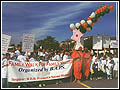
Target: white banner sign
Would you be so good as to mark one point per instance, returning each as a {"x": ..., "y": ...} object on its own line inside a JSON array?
[
  {"x": 38, "y": 71},
  {"x": 5, "y": 43},
  {"x": 114, "y": 44},
  {"x": 28, "y": 43},
  {"x": 106, "y": 41},
  {"x": 97, "y": 42}
]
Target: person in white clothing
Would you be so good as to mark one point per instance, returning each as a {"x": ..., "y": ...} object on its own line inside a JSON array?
[
  {"x": 65, "y": 57},
  {"x": 18, "y": 52},
  {"x": 109, "y": 68},
  {"x": 57, "y": 57},
  {"x": 5, "y": 70},
  {"x": 22, "y": 58},
  {"x": 32, "y": 59},
  {"x": 115, "y": 69}
]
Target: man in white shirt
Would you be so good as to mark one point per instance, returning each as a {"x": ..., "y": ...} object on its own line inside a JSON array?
[
  {"x": 32, "y": 58},
  {"x": 18, "y": 51},
  {"x": 115, "y": 69},
  {"x": 5, "y": 71},
  {"x": 22, "y": 57},
  {"x": 65, "y": 57}
]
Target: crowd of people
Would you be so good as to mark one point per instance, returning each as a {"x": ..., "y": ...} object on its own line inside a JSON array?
[{"x": 86, "y": 65}]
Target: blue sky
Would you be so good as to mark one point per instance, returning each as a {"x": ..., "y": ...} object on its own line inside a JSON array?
[{"x": 53, "y": 18}]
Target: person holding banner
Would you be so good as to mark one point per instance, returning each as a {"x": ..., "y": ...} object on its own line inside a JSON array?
[
  {"x": 18, "y": 51},
  {"x": 4, "y": 70},
  {"x": 77, "y": 62},
  {"x": 86, "y": 60},
  {"x": 22, "y": 57}
]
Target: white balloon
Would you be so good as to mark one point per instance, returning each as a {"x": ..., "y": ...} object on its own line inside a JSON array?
[
  {"x": 77, "y": 25},
  {"x": 72, "y": 26},
  {"x": 82, "y": 21},
  {"x": 92, "y": 15},
  {"x": 89, "y": 22}
]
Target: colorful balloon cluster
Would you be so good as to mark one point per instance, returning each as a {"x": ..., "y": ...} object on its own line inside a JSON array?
[{"x": 86, "y": 25}]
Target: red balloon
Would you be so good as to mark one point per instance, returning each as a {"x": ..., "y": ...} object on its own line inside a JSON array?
[
  {"x": 85, "y": 25},
  {"x": 92, "y": 24},
  {"x": 88, "y": 29},
  {"x": 111, "y": 7},
  {"x": 101, "y": 10},
  {"x": 105, "y": 6},
  {"x": 97, "y": 20},
  {"x": 98, "y": 11},
  {"x": 71, "y": 29},
  {"x": 80, "y": 23},
  {"x": 89, "y": 18}
]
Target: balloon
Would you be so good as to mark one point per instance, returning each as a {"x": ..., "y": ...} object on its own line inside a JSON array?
[
  {"x": 85, "y": 25},
  {"x": 89, "y": 21},
  {"x": 94, "y": 20},
  {"x": 98, "y": 11},
  {"x": 92, "y": 24},
  {"x": 88, "y": 29},
  {"x": 92, "y": 15},
  {"x": 97, "y": 20},
  {"x": 82, "y": 21},
  {"x": 72, "y": 26},
  {"x": 83, "y": 30},
  {"x": 102, "y": 5},
  {"x": 77, "y": 25},
  {"x": 71, "y": 29},
  {"x": 102, "y": 14},
  {"x": 97, "y": 15},
  {"x": 81, "y": 27},
  {"x": 105, "y": 6},
  {"x": 103, "y": 9},
  {"x": 89, "y": 18},
  {"x": 107, "y": 10},
  {"x": 111, "y": 7}
]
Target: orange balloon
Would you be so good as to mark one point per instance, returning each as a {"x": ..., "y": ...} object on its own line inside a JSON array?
[
  {"x": 88, "y": 29},
  {"x": 103, "y": 9},
  {"x": 105, "y": 6},
  {"x": 80, "y": 23},
  {"x": 71, "y": 29},
  {"x": 89, "y": 18},
  {"x": 97, "y": 20},
  {"x": 85, "y": 25},
  {"x": 92, "y": 24},
  {"x": 98, "y": 11},
  {"x": 111, "y": 7}
]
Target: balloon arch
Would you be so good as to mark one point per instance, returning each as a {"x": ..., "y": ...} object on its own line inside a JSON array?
[{"x": 86, "y": 25}]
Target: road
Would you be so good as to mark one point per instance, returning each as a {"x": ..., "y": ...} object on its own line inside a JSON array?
[
  {"x": 67, "y": 83},
  {"x": 87, "y": 84}
]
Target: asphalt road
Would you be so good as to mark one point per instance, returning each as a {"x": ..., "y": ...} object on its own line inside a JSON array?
[
  {"x": 67, "y": 83},
  {"x": 87, "y": 84}
]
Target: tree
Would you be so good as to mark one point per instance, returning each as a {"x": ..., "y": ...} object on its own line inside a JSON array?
[{"x": 48, "y": 43}]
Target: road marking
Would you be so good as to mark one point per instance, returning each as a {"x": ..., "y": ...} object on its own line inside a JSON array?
[{"x": 84, "y": 85}]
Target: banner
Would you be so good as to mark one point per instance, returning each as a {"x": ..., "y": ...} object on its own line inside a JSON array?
[
  {"x": 5, "y": 43},
  {"x": 114, "y": 44},
  {"x": 97, "y": 42},
  {"x": 28, "y": 43},
  {"x": 38, "y": 71},
  {"x": 106, "y": 41}
]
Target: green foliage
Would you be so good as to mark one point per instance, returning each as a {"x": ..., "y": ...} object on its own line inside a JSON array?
[{"x": 48, "y": 43}]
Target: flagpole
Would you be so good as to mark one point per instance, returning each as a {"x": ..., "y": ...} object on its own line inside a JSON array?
[{"x": 97, "y": 52}]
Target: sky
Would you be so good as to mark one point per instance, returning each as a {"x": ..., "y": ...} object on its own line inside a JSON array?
[{"x": 53, "y": 19}]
